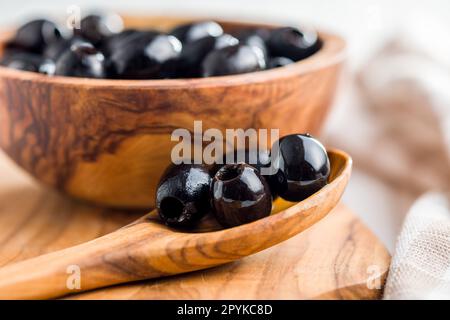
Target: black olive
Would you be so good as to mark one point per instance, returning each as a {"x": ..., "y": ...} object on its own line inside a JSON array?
[
  {"x": 255, "y": 38},
  {"x": 128, "y": 37},
  {"x": 233, "y": 60},
  {"x": 277, "y": 62},
  {"x": 81, "y": 60},
  {"x": 193, "y": 53},
  {"x": 302, "y": 167},
  {"x": 254, "y": 158},
  {"x": 54, "y": 50},
  {"x": 96, "y": 27},
  {"x": 152, "y": 59},
  {"x": 35, "y": 35},
  {"x": 29, "y": 62},
  {"x": 240, "y": 195},
  {"x": 198, "y": 49},
  {"x": 293, "y": 43},
  {"x": 115, "y": 41},
  {"x": 225, "y": 40},
  {"x": 183, "y": 195},
  {"x": 47, "y": 67},
  {"x": 193, "y": 31}
]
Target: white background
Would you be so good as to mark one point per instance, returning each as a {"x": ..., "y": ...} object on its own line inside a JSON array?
[{"x": 363, "y": 22}]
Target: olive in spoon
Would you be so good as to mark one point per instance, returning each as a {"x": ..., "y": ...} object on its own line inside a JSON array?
[{"x": 147, "y": 249}]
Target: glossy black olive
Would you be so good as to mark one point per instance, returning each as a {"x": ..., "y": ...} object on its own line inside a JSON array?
[
  {"x": 47, "y": 67},
  {"x": 29, "y": 62},
  {"x": 81, "y": 60},
  {"x": 225, "y": 40},
  {"x": 127, "y": 38},
  {"x": 240, "y": 195},
  {"x": 277, "y": 62},
  {"x": 153, "y": 59},
  {"x": 193, "y": 53},
  {"x": 293, "y": 43},
  {"x": 130, "y": 39},
  {"x": 193, "y": 31},
  {"x": 95, "y": 28},
  {"x": 255, "y": 158},
  {"x": 198, "y": 49},
  {"x": 183, "y": 195},
  {"x": 54, "y": 50},
  {"x": 233, "y": 60},
  {"x": 256, "y": 38},
  {"x": 35, "y": 35},
  {"x": 302, "y": 167}
]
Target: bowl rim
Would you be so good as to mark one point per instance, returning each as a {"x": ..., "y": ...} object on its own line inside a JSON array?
[{"x": 332, "y": 52}]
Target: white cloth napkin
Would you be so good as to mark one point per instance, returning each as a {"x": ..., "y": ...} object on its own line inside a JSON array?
[
  {"x": 420, "y": 267},
  {"x": 398, "y": 131},
  {"x": 408, "y": 87}
]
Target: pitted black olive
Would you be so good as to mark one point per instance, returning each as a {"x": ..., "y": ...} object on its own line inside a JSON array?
[
  {"x": 277, "y": 62},
  {"x": 293, "y": 43},
  {"x": 54, "y": 50},
  {"x": 126, "y": 38},
  {"x": 193, "y": 31},
  {"x": 233, "y": 60},
  {"x": 183, "y": 195},
  {"x": 240, "y": 195},
  {"x": 255, "y": 38},
  {"x": 255, "y": 158},
  {"x": 35, "y": 35},
  {"x": 29, "y": 62},
  {"x": 193, "y": 53},
  {"x": 97, "y": 27},
  {"x": 302, "y": 167},
  {"x": 193, "y": 50},
  {"x": 148, "y": 58},
  {"x": 81, "y": 60}
]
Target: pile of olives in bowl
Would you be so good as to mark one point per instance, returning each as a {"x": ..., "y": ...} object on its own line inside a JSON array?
[
  {"x": 238, "y": 193},
  {"x": 102, "y": 48}
]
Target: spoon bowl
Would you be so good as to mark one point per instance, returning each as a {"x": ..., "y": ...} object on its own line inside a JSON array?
[{"x": 148, "y": 249}]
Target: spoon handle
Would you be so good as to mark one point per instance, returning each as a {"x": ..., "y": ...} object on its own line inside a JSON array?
[{"x": 108, "y": 260}]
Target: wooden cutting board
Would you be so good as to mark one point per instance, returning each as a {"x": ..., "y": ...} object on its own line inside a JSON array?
[{"x": 338, "y": 258}]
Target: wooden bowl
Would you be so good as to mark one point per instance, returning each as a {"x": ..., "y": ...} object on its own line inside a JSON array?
[{"x": 108, "y": 141}]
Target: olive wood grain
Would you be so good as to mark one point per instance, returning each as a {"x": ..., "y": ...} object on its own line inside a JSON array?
[
  {"x": 147, "y": 249},
  {"x": 108, "y": 141},
  {"x": 336, "y": 258},
  {"x": 329, "y": 260}
]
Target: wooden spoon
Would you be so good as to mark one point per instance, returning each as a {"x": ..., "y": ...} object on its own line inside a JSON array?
[{"x": 147, "y": 249}]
